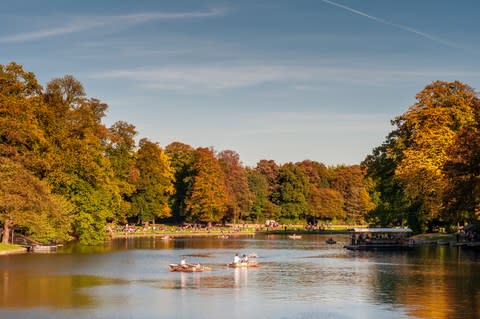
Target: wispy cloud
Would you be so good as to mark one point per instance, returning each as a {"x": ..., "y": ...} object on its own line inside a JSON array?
[
  {"x": 396, "y": 25},
  {"x": 206, "y": 77},
  {"x": 81, "y": 24},
  {"x": 193, "y": 78}
]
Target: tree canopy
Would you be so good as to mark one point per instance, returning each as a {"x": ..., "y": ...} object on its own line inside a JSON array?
[{"x": 65, "y": 174}]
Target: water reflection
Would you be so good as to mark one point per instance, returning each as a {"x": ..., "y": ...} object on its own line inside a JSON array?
[
  {"x": 434, "y": 282},
  {"x": 297, "y": 279},
  {"x": 240, "y": 276}
]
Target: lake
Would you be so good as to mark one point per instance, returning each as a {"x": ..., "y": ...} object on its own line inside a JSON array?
[{"x": 302, "y": 279}]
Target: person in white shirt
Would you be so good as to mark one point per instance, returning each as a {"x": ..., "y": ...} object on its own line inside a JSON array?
[{"x": 236, "y": 259}]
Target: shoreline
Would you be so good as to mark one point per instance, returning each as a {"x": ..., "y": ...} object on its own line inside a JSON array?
[
  {"x": 13, "y": 251},
  {"x": 216, "y": 233}
]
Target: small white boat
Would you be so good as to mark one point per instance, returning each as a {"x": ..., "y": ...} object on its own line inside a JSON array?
[
  {"x": 295, "y": 236},
  {"x": 44, "y": 248}
]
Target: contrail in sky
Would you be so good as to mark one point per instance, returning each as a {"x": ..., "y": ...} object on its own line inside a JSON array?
[{"x": 398, "y": 26}]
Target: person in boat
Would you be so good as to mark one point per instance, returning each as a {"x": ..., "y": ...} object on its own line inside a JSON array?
[
  {"x": 236, "y": 259},
  {"x": 244, "y": 259},
  {"x": 183, "y": 263}
]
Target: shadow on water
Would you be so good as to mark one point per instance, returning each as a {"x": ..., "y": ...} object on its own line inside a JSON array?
[{"x": 20, "y": 290}]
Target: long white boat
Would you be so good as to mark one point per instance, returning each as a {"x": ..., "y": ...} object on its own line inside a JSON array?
[{"x": 367, "y": 239}]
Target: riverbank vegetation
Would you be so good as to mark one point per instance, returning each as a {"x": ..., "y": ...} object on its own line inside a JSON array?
[{"x": 64, "y": 174}]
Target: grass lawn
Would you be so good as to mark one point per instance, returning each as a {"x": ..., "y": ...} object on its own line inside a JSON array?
[{"x": 9, "y": 247}]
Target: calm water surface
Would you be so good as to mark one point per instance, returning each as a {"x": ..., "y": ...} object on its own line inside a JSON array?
[{"x": 304, "y": 279}]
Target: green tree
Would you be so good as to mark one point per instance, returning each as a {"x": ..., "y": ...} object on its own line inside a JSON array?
[
  {"x": 258, "y": 186},
  {"x": 392, "y": 207},
  {"x": 292, "y": 192},
  {"x": 154, "y": 186},
  {"x": 120, "y": 150},
  {"x": 182, "y": 158},
  {"x": 27, "y": 202},
  {"x": 270, "y": 170},
  {"x": 80, "y": 170}
]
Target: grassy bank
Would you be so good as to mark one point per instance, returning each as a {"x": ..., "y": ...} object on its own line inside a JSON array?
[
  {"x": 6, "y": 249},
  {"x": 229, "y": 230},
  {"x": 184, "y": 233}
]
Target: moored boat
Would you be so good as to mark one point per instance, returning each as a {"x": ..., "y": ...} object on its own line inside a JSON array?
[
  {"x": 367, "y": 239},
  {"x": 330, "y": 241},
  {"x": 44, "y": 248},
  {"x": 295, "y": 236}
]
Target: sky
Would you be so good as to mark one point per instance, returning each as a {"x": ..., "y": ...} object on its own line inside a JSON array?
[{"x": 269, "y": 79}]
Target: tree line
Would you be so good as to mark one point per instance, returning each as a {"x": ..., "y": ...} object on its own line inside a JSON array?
[{"x": 64, "y": 174}]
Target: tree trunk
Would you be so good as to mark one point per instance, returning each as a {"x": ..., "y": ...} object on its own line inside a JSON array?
[{"x": 7, "y": 226}]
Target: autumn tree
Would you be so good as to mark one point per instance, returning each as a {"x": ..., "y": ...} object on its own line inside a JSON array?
[
  {"x": 21, "y": 136},
  {"x": 240, "y": 198},
  {"x": 317, "y": 173},
  {"x": 349, "y": 181},
  {"x": 426, "y": 131},
  {"x": 154, "y": 185},
  {"x": 325, "y": 204},
  {"x": 208, "y": 197},
  {"x": 461, "y": 201}
]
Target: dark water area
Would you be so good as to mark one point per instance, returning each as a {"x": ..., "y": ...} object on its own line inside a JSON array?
[{"x": 304, "y": 279}]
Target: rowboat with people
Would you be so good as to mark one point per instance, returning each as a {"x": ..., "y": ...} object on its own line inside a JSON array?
[{"x": 188, "y": 268}]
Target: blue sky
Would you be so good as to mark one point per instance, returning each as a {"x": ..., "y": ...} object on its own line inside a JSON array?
[{"x": 282, "y": 80}]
